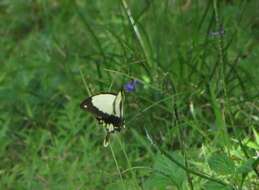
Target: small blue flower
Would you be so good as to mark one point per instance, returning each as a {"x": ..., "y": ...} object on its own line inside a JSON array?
[{"x": 131, "y": 86}]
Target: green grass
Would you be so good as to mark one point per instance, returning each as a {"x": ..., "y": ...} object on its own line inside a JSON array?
[{"x": 191, "y": 124}]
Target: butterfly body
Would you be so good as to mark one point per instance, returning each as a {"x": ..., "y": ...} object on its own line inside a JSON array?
[{"x": 107, "y": 109}]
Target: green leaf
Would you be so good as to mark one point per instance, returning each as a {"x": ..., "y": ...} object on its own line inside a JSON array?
[
  {"x": 256, "y": 135},
  {"x": 254, "y": 142},
  {"x": 156, "y": 182},
  {"x": 222, "y": 136},
  {"x": 167, "y": 172},
  {"x": 246, "y": 166},
  {"x": 215, "y": 186},
  {"x": 221, "y": 163}
]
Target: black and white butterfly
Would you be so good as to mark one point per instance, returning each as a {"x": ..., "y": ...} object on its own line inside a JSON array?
[{"x": 108, "y": 110}]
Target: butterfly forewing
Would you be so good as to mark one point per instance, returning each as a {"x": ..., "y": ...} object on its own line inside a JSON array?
[
  {"x": 104, "y": 102},
  {"x": 101, "y": 105}
]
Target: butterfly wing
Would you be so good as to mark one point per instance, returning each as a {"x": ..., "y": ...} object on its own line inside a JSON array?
[
  {"x": 108, "y": 110},
  {"x": 118, "y": 104},
  {"x": 99, "y": 103},
  {"x": 104, "y": 109}
]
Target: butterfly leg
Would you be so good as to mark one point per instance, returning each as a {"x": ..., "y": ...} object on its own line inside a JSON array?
[{"x": 109, "y": 129}]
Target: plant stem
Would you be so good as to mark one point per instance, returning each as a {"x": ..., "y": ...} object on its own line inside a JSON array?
[{"x": 117, "y": 166}]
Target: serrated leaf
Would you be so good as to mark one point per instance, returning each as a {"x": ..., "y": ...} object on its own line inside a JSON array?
[
  {"x": 215, "y": 186},
  {"x": 221, "y": 163}
]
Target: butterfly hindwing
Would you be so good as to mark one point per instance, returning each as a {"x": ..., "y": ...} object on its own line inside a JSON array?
[{"x": 117, "y": 104}]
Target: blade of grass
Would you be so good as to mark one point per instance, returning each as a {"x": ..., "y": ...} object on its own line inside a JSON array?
[
  {"x": 221, "y": 136},
  {"x": 128, "y": 162},
  {"x": 117, "y": 166},
  {"x": 92, "y": 33},
  {"x": 138, "y": 35}
]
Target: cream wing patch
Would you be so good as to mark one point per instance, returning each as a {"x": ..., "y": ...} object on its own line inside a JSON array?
[{"x": 104, "y": 102}]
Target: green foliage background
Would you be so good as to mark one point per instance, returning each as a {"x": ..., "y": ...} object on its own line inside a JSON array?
[{"x": 192, "y": 123}]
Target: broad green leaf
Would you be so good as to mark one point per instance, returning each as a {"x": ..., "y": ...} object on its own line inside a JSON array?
[
  {"x": 215, "y": 186},
  {"x": 221, "y": 163},
  {"x": 156, "y": 182},
  {"x": 167, "y": 172},
  {"x": 246, "y": 166}
]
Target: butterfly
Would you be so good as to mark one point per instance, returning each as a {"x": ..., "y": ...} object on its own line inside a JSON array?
[{"x": 108, "y": 110}]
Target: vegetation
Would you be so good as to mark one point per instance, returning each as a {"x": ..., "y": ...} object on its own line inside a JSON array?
[{"x": 191, "y": 123}]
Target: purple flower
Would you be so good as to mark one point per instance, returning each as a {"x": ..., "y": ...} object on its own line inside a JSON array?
[{"x": 131, "y": 86}]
